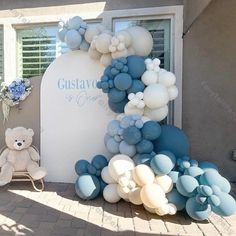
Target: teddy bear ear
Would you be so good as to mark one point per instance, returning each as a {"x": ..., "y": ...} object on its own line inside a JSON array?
[
  {"x": 31, "y": 132},
  {"x": 8, "y": 131}
]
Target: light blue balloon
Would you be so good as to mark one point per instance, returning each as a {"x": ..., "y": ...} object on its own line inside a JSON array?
[
  {"x": 112, "y": 146},
  {"x": 81, "y": 167},
  {"x": 145, "y": 146},
  {"x": 142, "y": 159},
  {"x": 73, "y": 39},
  {"x": 163, "y": 163},
  {"x": 124, "y": 123},
  {"x": 123, "y": 81},
  {"x": 225, "y": 187},
  {"x": 74, "y": 22},
  {"x": 174, "y": 175},
  {"x": 84, "y": 46},
  {"x": 99, "y": 162},
  {"x": 212, "y": 177},
  {"x": 62, "y": 33},
  {"x": 227, "y": 205},
  {"x": 151, "y": 130},
  {"x": 196, "y": 210},
  {"x": 132, "y": 135},
  {"x": 113, "y": 127},
  {"x": 194, "y": 171},
  {"x": 187, "y": 185},
  {"x": 127, "y": 149},
  {"x": 106, "y": 138},
  {"x": 177, "y": 199},
  {"x": 87, "y": 187}
]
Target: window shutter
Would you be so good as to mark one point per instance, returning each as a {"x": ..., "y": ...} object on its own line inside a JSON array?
[{"x": 1, "y": 54}]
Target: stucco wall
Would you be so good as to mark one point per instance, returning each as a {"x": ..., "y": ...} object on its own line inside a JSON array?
[{"x": 209, "y": 85}]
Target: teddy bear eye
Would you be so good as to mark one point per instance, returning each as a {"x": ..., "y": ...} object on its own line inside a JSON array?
[
  {"x": 23, "y": 140},
  {"x": 16, "y": 140}
]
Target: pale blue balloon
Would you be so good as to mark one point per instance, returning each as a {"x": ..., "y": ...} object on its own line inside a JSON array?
[
  {"x": 127, "y": 149},
  {"x": 74, "y": 22},
  {"x": 106, "y": 138},
  {"x": 112, "y": 146},
  {"x": 113, "y": 127},
  {"x": 177, "y": 199},
  {"x": 194, "y": 171},
  {"x": 62, "y": 33},
  {"x": 187, "y": 185},
  {"x": 73, "y": 39},
  {"x": 84, "y": 46}
]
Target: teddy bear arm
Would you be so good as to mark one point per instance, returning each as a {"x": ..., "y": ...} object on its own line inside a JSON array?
[
  {"x": 3, "y": 157},
  {"x": 34, "y": 155}
]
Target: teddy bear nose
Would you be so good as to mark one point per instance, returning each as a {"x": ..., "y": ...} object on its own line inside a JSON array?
[{"x": 19, "y": 144}]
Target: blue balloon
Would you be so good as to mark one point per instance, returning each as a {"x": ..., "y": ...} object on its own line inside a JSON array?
[
  {"x": 177, "y": 199},
  {"x": 73, "y": 39},
  {"x": 136, "y": 66},
  {"x": 145, "y": 146},
  {"x": 172, "y": 139},
  {"x": 106, "y": 138},
  {"x": 112, "y": 146},
  {"x": 151, "y": 130},
  {"x": 99, "y": 162},
  {"x": 163, "y": 163},
  {"x": 91, "y": 169},
  {"x": 196, "y": 210},
  {"x": 132, "y": 135},
  {"x": 227, "y": 205},
  {"x": 116, "y": 95},
  {"x": 194, "y": 171},
  {"x": 225, "y": 187},
  {"x": 174, "y": 175},
  {"x": 84, "y": 46},
  {"x": 187, "y": 185},
  {"x": 102, "y": 185},
  {"x": 206, "y": 165},
  {"x": 142, "y": 159},
  {"x": 127, "y": 149},
  {"x": 117, "y": 107},
  {"x": 113, "y": 127},
  {"x": 137, "y": 86},
  {"x": 87, "y": 186},
  {"x": 123, "y": 81},
  {"x": 81, "y": 167},
  {"x": 108, "y": 73}
]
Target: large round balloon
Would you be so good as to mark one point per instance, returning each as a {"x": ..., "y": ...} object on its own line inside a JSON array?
[
  {"x": 187, "y": 185},
  {"x": 110, "y": 193},
  {"x": 151, "y": 130},
  {"x": 172, "y": 139},
  {"x": 177, "y": 199},
  {"x": 87, "y": 186},
  {"x": 81, "y": 167}
]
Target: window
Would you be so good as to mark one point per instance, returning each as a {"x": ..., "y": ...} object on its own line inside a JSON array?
[
  {"x": 1, "y": 54},
  {"x": 160, "y": 30},
  {"x": 36, "y": 49}
]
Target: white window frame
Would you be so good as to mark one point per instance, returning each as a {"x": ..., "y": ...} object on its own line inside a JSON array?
[{"x": 174, "y": 13}]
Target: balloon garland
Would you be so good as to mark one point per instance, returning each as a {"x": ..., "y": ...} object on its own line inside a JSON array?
[{"x": 151, "y": 163}]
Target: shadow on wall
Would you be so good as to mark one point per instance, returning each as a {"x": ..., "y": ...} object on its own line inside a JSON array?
[{"x": 27, "y": 115}]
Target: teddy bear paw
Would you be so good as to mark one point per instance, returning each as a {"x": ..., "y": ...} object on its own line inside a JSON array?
[{"x": 39, "y": 173}]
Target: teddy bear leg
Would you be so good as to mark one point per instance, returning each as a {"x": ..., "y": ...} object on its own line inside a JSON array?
[
  {"x": 6, "y": 174},
  {"x": 35, "y": 171}
]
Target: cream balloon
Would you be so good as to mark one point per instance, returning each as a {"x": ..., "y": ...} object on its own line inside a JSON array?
[
  {"x": 110, "y": 193},
  {"x": 173, "y": 92},
  {"x": 130, "y": 110},
  {"x": 134, "y": 196},
  {"x": 155, "y": 96},
  {"x": 122, "y": 193},
  {"x": 94, "y": 54},
  {"x": 163, "y": 210},
  {"x": 127, "y": 37},
  {"x": 167, "y": 79},
  {"x": 102, "y": 42},
  {"x": 117, "y": 54},
  {"x": 152, "y": 195},
  {"x": 142, "y": 41},
  {"x": 158, "y": 114},
  {"x": 119, "y": 164},
  {"x": 143, "y": 174},
  {"x": 90, "y": 33},
  {"x": 106, "y": 177},
  {"x": 151, "y": 210},
  {"x": 106, "y": 59},
  {"x": 149, "y": 77},
  {"x": 165, "y": 182}
]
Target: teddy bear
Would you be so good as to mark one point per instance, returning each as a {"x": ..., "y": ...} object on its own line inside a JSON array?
[{"x": 19, "y": 155}]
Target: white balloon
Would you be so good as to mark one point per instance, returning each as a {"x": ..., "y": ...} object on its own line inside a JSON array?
[
  {"x": 165, "y": 182},
  {"x": 142, "y": 41},
  {"x": 153, "y": 196},
  {"x": 106, "y": 59},
  {"x": 119, "y": 164},
  {"x": 122, "y": 194},
  {"x": 149, "y": 77},
  {"x": 151, "y": 210},
  {"x": 102, "y": 42},
  {"x": 172, "y": 209},
  {"x": 94, "y": 54},
  {"x": 130, "y": 110},
  {"x": 127, "y": 37},
  {"x": 167, "y": 79},
  {"x": 90, "y": 33},
  {"x": 143, "y": 174},
  {"x": 155, "y": 96},
  {"x": 134, "y": 196},
  {"x": 173, "y": 92},
  {"x": 158, "y": 114},
  {"x": 101, "y": 28},
  {"x": 117, "y": 54},
  {"x": 110, "y": 193},
  {"x": 163, "y": 210},
  {"x": 106, "y": 177}
]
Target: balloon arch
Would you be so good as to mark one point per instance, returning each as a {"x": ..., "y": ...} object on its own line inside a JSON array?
[{"x": 150, "y": 163}]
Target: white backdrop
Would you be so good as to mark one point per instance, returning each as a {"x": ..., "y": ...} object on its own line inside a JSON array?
[{"x": 74, "y": 115}]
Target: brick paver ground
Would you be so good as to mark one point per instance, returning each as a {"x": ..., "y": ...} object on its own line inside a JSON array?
[{"x": 57, "y": 211}]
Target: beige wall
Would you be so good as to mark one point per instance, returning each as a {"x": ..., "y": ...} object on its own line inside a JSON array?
[{"x": 209, "y": 85}]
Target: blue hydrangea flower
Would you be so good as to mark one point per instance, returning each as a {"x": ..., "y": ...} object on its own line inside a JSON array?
[{"x": 17, "y": 89}]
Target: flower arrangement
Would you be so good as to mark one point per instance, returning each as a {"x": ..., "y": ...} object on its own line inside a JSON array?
[{"x": 12, "y": 94}]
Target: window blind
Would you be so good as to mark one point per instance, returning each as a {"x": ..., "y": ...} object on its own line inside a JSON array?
[{"x": 1, "y": 54}]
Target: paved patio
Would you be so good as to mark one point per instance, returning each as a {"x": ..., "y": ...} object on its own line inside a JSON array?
[{"x": 57, "y": 211}]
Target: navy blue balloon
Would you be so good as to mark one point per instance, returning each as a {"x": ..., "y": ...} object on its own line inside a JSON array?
[
  {"x": 137, "y": 86},
  {"x": 145, "y": 146},
  {"x": 142, "y": 159},
  {"x": 87, "y": 186},
  {"x": 177, "y": 199},
  {"x": 91, "y": 169},
  {"x": 99, "y": 162},
  {"x": 117, "y": 107},
  {"x": 116, "y": 95},
  {"x": 81, "y": 167},
  {"x": 102, "y": 185},
  {"x": 151, "y": 130},
  {"x": 132, "y": 135},
  {"x": 136, "y": 66},
  {"x": 172, "y": 139},
  {"x": 123, "y": 81}
]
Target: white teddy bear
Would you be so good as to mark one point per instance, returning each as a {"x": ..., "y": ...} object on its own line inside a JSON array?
[{"x": 19, "y": 155}]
